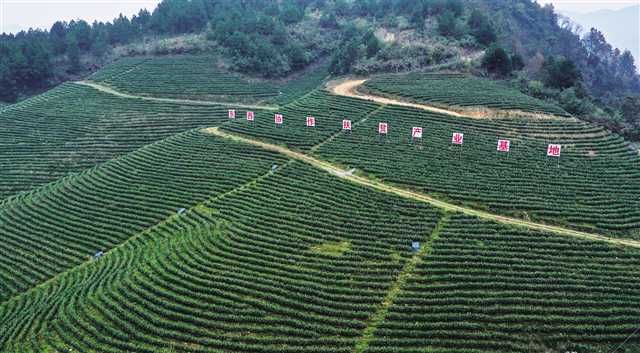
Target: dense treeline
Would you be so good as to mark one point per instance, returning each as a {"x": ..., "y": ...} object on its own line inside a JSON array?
[
  {"x": 256, "y": 37},
  {"x": 35, "y": 59}
]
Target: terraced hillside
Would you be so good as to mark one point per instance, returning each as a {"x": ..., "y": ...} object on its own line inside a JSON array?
[
  {"x": 63, "y": 224},
  {"x": 292, "y": 263},
  {"x": 593, "y": 186},
  {"x": 197, "y": 77},
  {"x": 327, "y": 109},
  {"x": 73, "y": 127},
  {"x": 213, "y": 244},
  {"x": 289, "y": 263},
  {"x": 458, "y": 90},
  {"x": 490, "y": 288}
]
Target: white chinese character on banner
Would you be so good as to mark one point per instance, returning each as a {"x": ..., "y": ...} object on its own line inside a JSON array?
[{"x": 311, "y": 121}]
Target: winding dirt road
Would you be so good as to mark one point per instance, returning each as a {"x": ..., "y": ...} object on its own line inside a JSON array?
[
  {"x": 344, "y": 174},
  {"x": 349, "y": 88},
  {"x": 109, "y": 90}
]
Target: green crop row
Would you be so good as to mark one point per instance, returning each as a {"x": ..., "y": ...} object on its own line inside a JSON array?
[
  {"x": 459, "y": 90},
  {"x": 64, "y": 223},
  {"x": 72, "y": 128},
  {"x": 593, "y": 186},
  {"x": 491, "y": 288}
]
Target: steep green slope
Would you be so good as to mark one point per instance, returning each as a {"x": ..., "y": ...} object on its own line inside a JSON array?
[
  {"x": 292, "y": 262},
  {"x": 197, "y": 77},
  {"x": 328, "y": 110},
  {"x": 490, "y": 288},
  {"x": 295, "y": 263},
  {"x": 61, "y": 225},
  {"x": 592, "y": 186},
  {"x": 458, "y": 90},
  {"x": 73, "y": 127}
]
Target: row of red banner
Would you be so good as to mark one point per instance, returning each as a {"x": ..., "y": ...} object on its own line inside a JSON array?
[{"x": 553, "y": 150}]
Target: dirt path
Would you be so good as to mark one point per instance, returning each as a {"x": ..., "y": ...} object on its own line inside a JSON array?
[
  {"x": 396, "y": 287},
  {"x": 342, "y": 173},
  {"x": 109, "y": 90},
  {"x": 349, "y": 88}
]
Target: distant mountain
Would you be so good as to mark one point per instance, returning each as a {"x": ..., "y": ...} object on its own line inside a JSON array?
[{"x": 620, "y": 27}]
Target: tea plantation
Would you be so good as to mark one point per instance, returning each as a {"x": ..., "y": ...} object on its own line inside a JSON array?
[
  {"x": 125, "y": 226},
  {"x": 593, "y": 186},
  {"x": 459, "y": 90},
  {"x": 74, "y": 127},
  {"x": 196, "y": 77},
  {"x": 60, "y": 225}
]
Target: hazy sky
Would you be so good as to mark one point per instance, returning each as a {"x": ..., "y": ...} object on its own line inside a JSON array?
[
  {"x": 584, "y": 6},
  {"x": 16, "y": 15}
]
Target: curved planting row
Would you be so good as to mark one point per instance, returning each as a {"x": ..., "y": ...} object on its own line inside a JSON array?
[
  {"x": 459, "y": 90},
  {"x": 490, "y": 288},
  {"x": 73, "y": 127},
  {"x": 197, "y": 77},
  {"x": 296, "y": 262},
  {"x": 593, "y": 186},
  {"x": 62, "y": 224},
  {"x": 327, "y": 109},
  {"x": 183, "y": 76}
]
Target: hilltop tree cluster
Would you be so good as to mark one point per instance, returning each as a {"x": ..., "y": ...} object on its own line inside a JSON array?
[{"x": 30, "y": 60}]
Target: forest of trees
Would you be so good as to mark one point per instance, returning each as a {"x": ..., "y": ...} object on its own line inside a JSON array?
[
  {"x": 523, "y": 42},
  {"x": 29, "y": 60}
]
